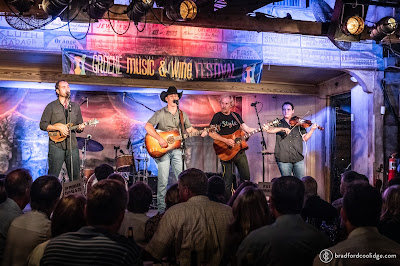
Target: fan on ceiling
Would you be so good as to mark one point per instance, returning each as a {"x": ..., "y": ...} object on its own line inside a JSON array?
[
  {"x": 323, "y": 13},
  {"x": 18, "y": 21}
]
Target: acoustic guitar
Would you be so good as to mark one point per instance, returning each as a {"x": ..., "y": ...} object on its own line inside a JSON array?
[
  {"x": 226, "y": 153},
  {"x": 56, "y": 136},
  {"x": 173, "y": 138}
]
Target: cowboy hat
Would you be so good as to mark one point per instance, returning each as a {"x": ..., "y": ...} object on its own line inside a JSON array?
[{"x": 171, "y": 90}]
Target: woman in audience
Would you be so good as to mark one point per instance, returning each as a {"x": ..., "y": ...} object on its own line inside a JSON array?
[
  {"x": 238, "y": 190},
  {"x": 389, "y": 225},
  {"x": 140, "y": 198},
  {"x": 171, "y": 198},
  {"x": 68, "y": 216},
  {"x": 250, "y": 212}
]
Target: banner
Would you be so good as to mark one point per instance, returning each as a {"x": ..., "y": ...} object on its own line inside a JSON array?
[{"x": 160, "y": 67}]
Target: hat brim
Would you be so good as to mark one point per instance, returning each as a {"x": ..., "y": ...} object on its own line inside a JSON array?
[{"x": 165, "y": 94}]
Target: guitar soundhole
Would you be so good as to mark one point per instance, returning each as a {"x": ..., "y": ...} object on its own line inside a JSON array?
[
  {"x": 170, "y": 140},
  {"x": 238, "y": 140}
]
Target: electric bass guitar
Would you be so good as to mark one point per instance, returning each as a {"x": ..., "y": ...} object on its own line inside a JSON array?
[
  {"x": 226, "y": 153},
  {"x": 56, "y": 136},
  {"x": 173, "y": 138}
]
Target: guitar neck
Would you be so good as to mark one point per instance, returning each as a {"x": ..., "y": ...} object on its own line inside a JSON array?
[
  {"x": 188, "y": 135},
  {"x": 75, "y": 127},
  {"x": 248, "y": 135}
]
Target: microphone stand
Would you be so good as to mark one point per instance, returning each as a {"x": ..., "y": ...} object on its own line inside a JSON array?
[
  {"x": 263, "y": 143},
  {"x": 183, "y": 141}
]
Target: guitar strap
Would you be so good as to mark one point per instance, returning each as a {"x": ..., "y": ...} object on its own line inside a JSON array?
[
  {"x": 237, "y": 120},
  {"x": 181, "y": 118}
]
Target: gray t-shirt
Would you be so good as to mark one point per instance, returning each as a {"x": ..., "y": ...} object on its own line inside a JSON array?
[{"x": 166, "y": 121}]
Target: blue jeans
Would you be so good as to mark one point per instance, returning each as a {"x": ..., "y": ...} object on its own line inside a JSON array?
[
  {"x": 286, "y": 169},
  {"x": 173, "y": 158}
]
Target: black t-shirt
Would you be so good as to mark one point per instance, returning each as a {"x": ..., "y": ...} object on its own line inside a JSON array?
[
  {"x": 227, "y": 123},
  {"x": 289, "y": 148}
]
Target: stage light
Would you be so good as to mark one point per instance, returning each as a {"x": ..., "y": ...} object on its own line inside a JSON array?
[
  {"x": 182, "y": 10},
  {"x": 54, "y": 7},
  {"x": 353, "y": 25},
  {"x": 386, "y": 26},
  {"x": 138, "y": 9},
  {"x": 97, "y": 8},
  {"x": 21, "y": 5}
]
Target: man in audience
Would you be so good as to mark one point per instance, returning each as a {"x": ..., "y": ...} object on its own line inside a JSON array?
[
  {"x": 98, "y": 243},
  {"x": 360, "y": 213},
  {"x": 140, "y": 198},
  {"x": 346, "y": 179},
  {"x": 100, "y": 172},
  {"x": 32, "y": 228},
  {"x": 315, "y": 209},
  {"x": 17, "y": 185},
  {"x": 196, "y": 228},
  {"x": 288, "y": 241},
  {"x": 216, "y": 189}
]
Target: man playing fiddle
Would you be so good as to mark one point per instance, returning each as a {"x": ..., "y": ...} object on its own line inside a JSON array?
[{"x": 289, "y": 147}]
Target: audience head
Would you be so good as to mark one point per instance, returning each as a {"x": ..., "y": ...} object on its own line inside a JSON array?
[
  {"x": 216, "y": 189},
  {"x": 310, "y": 186},
  {"x": 172, "y": 196},
  {"x": 68, "y": 215},
  {"x": 103, "y": 171},
  {"x": 361, "y": 205},
  {"x": 287, "y": 195},
  {"x": 45, "y": 193},
  {"x": 394, "y": 181},
  {"x": 192, "y": 182},
  {"x": 244, "y": 184},
  {"x": 106, "y": 204},
  {"x": 140, "y": 198},
  {"x": 391, "y": 203},
  {"x": 17, "y": 185},
  {"x": 250, "y": 211},
  {"x": 348, "y": 177},
  {"x": 3, "y": 195},
  {"x": 118, "y": 177}
]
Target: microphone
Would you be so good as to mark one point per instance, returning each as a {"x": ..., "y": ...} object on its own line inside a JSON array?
[
  {"x": 254, "y": 104},
  {"x": 88, "y": 136},
  {"x": 176, "y": 102},
  {"x": 121, "y": 151},
  {"x": 69, "y": 106},
  {"x": 129, "y": 143}
]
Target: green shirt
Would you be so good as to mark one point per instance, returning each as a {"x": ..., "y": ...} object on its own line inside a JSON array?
[{"x": 166, "y": 121}]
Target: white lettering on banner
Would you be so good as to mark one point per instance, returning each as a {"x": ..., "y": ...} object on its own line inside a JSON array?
[
  {"x": 239, "y": 36},
  {"x": 203, "y": 34},
  {"x": 322, "y": 58},
  {"x": 21, "y": 39},
  {"x": 73, "y": 188},
  {"x": 288, "y": 40},
  {"x": 317, "y": 42},
  {"x": 282, "y": 55}
]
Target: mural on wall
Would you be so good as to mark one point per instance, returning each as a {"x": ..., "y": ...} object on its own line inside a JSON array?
[{"x": 121, "y": 118}]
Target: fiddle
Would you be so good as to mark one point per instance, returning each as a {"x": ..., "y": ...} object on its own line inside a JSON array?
[{"x": 297, "y": 121}]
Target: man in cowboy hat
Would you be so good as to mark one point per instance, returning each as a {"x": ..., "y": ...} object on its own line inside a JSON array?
[{"x": 167, "y": 119}]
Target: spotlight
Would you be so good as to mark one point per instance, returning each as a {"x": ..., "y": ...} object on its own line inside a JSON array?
[
  {"x": 97, "y": 8},
  {"x": 182, "y": 10},
  {"x": 21, "y": 5},
  {"x": 353, "y": 25},
  {"x": 54, "y": 7},
  {"x": 386, "y": 26},
  {"x": 138, "y": 9}
]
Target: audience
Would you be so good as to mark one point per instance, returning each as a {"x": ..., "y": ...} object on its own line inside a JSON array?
[
  {"x": 140, "y": 198},
  {"x": 32, "y": 228},
  {"x": 289, "y": 240},
  {"x": 151, "y": 226},
  {"x": 3, "y": 195},
  {"x": 346, "y": 179},
  {"x": 216, "y": 189},
  {"x": 394, "y": 181},
  {"x": 244, "y": 184},
  {"x": 98, "y": 243},
  {"x": 197, "y": 228},
  {"x": 389, "y": 224},
  {"x": 68, "y": 216},
  {"x": 17, "y": 185},
  {"x": 360, "y": 213},
  {"x": 101, "y": 172},
  {"x": 118, "y": 177},
  {"x": 316, "y": 210},
  {"x": 250, "y": 212}
]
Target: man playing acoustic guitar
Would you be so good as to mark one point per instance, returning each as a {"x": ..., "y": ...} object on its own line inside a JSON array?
[
  {"x": 166, "y": 119},
  {"x": 231, "y": 122},
  {"x": 56, "y": 117}
]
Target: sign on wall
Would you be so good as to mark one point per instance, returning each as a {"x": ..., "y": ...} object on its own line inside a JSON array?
[{"x": 160, "y": 67}]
